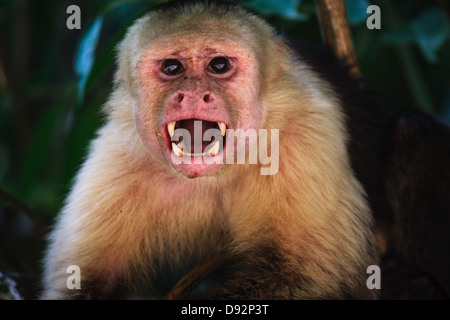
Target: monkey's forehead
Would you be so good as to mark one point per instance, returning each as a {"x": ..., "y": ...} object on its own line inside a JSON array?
[{"x": 196, "y": 46}]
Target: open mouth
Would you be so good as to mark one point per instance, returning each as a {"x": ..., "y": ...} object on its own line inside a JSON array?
[{"x": 197, "y": 137}]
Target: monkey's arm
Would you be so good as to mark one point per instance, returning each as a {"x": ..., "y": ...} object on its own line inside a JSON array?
[{"x": 267, "y": 273}]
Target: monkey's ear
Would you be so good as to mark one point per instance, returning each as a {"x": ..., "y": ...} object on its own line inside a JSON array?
[{"x": 418, "y": 189}]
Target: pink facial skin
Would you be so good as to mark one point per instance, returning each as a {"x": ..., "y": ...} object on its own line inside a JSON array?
[{"x": 195, "y": 93}]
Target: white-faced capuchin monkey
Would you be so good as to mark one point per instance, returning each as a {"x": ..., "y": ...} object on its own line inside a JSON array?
[{"x": 293, "y": 213}]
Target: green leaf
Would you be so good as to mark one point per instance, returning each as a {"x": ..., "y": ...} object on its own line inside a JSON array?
[
  {"x": 445, "y": 114},
  {"x": 119, "y": 14},
  {"x": 401, "y": 35},
  {"x": 86, "y": 55},
  {"x": 285, "y": 8},
  {"x": 356, "y": 11},
  {"x": 114, "y": 4},
  {"x": 38, "y": 152},
  {"x": 4, "y": 161},
  {"x": 86, "y": 122},
  {"x": 430, "y": 29}
]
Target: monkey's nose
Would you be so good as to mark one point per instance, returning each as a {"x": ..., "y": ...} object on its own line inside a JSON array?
[
  {"x": 192, "y": 98},
  {"x": 179, "y": 97},
  {"x": 208, "y": 98}
]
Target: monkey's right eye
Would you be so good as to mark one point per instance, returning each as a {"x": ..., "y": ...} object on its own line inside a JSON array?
[{"x": 172, "y": 67}]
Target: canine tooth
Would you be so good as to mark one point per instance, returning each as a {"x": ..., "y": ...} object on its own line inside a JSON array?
[
  {"x": 214, "y": 149},
  {"x": 223, "y": 128},
  {"x": 171, "y": 128},
  {"x": 177, "y": 150}
]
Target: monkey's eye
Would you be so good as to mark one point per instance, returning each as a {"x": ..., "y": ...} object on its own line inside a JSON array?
[
  {"x": 172, "y": 67},
  {"x": 219, "y": 65}
]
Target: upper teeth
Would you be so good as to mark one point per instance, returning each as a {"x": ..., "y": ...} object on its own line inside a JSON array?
[
  {"x": 171, "y": 128},
  {"x": 222, "y": 127}
]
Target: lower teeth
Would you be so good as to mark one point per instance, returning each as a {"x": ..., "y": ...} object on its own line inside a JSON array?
[{"x": 178, "y": 149}]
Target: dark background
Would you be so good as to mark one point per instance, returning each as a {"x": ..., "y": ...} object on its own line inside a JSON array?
[{"x": 50, "y": 108}]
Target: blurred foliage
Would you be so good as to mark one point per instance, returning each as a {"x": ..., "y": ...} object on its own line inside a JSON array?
[{"x": 53, "y": 82}]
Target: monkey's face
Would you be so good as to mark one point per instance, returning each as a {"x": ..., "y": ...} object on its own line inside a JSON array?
[{"x": 194, "y": 92}]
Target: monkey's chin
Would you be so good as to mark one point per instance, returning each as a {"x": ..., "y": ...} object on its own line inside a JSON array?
[{"x": 196, "y": 170}]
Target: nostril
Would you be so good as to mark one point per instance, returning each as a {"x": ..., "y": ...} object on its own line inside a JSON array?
[
  {"x": 179, "y": 97},
  {"x": 207, "y": 98}
]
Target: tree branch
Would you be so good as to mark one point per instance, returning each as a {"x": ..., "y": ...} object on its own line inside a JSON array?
[
  {"x": 336, "y": 33},
  {"x": 194, "y": 277}
]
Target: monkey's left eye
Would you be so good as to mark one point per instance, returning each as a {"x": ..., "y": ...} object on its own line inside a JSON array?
[
  {"x": 172, "y": 67},
  {"x": 219, "y": 65}
]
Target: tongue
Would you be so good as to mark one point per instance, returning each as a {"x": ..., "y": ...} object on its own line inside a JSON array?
[{"x": 189, "y": 125}]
